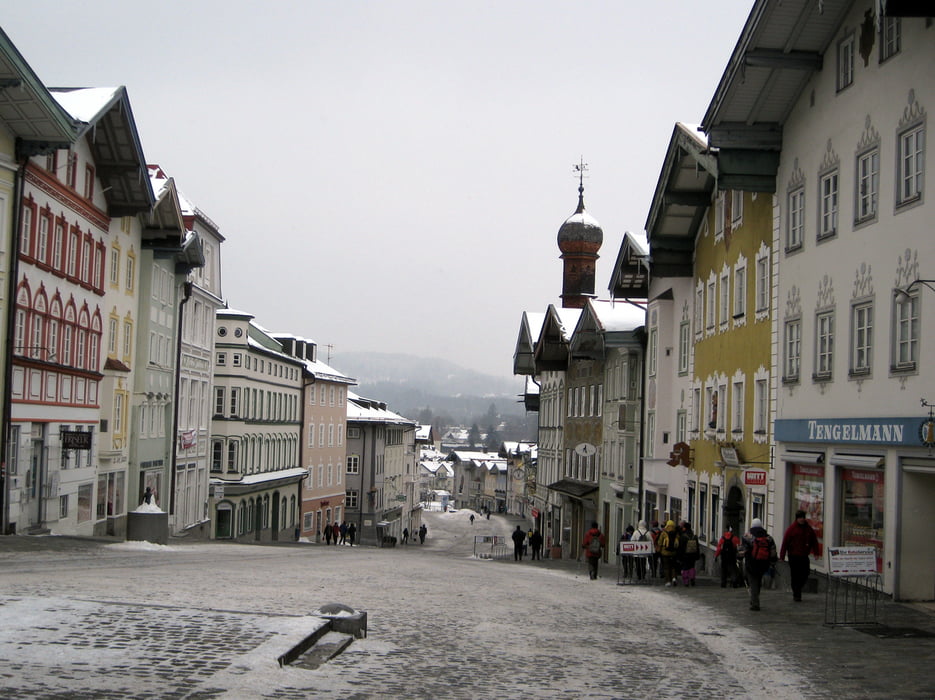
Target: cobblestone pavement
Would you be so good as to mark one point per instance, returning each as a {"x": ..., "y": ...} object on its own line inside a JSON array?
[{"x": 84, "y": 618}]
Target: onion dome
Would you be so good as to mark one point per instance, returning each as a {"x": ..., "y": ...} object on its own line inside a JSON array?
[{"x": 580, "y": 233}]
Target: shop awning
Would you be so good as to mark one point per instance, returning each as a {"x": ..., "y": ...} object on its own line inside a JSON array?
[
  {"x": 860, "y": 461},
  {"x": 573, "y": 487},
  {"x": 803, "y": 457}
]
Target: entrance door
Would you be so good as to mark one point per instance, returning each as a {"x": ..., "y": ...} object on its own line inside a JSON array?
[
  {"x": 916, "y": 562},
  {"x": 34, "y": 480},
  {"x": 734, "y": 510},
  {"x": 274, "y": 520}
]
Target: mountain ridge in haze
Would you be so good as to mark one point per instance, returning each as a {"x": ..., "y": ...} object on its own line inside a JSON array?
[{"x": 408, "y": 384}]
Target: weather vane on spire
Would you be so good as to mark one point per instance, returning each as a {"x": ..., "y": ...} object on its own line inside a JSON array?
[{"x": 581, "y": 168}]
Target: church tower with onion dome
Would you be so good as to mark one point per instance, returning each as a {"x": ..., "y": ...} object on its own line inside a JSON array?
[{"x": 579, "y": 239}]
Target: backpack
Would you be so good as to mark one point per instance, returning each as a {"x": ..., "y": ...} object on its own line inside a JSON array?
[
  {"x": 761, "y": 548},
  {"x": 643, "y": 536},
  {"x": 691, "y": 546},
  {"x": 728, "y": 548},
  {"x": 594, "y": 546},
  {"x": 672, "y": 542}
]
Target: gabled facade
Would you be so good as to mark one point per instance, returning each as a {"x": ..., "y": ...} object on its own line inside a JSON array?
[
  {"x": 323, "y": 449},
  {"x": 70, "y": 393},
  {"x": 380, "y": 496},
  {"x": 201, "y": 298},
  {"x": 854, "y": 261},
  {"x": 167, "y": 255},
  {"x": 32, "y": 123},
  {"x": 255, "y": 433}
]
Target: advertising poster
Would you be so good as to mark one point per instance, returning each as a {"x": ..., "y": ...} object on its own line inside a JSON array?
[
  {"x": 808, "y": 493},
  {"x": 862, "y": 510}
]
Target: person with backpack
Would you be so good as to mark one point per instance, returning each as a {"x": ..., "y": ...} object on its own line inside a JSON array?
[
  {"x": 668, "y": 547},
  {"x": 628, "y": 560},
  {"x": 594, "y": 543},
  {"x": 799, "y": 541},
  {"x": 689, "y": 553},
  {"x": 641, "y": 534},
  {"x": 759, "y": 552},
  {"x": 726, "y": 553}
]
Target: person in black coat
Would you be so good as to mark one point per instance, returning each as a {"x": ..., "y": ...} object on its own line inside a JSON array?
[{"x": 518, "y": 538}]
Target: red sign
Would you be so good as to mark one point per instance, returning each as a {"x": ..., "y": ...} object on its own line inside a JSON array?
[
  {"x": 754, "y": 477},
  {"x": 535, "y": 512}
]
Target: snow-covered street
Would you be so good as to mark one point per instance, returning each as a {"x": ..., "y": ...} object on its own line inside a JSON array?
[{"x": 209, "y": 619}]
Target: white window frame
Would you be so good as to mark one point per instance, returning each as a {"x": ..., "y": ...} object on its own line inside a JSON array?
[
  {"x": 795, "y": 228},
  {"x": 824, "y": 344},
  {"x": 867, "y": 198},
  {"x": 737, "y": 406},
  {"x": 792, "y": 350},
  {"x": 906, "y": 332},
  {"x": 724, "y": 299},
  {"x": 740, "y": 290},
  {"x": 828, "y": 197},
  {"x": 684, "y": 346},
  {"x": 910, "y": 165},
  {"x": 861, "y": 337},
  {"x": 846, "y": 52},
  {"x": 761, "y": 405}
]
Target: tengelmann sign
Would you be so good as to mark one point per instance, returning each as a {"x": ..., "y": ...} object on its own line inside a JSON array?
[{"x": 857, "y": 431}]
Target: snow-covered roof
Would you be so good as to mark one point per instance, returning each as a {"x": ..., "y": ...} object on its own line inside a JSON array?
[
  {"x": 618, "y": 315},
  {"x": 85, "y": 104},
  {"x": 367, "y": 411},
  {"x": 250, "y": 479}
]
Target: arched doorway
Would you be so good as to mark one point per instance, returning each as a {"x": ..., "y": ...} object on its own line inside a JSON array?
[{"x": 734, "y": 510}]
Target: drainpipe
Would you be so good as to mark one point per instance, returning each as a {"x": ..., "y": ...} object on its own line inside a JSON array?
[
  {"x": 186, "y": 295},
  {"x": 10, "y": 335}
]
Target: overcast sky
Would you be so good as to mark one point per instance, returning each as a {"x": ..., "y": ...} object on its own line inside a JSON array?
[{"x": 391, "y": 176}]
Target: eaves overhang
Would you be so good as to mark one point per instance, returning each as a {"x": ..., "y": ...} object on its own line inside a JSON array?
[
  {"x": 116, "y": 150},
  {"x": 36, "y": 120},
  {"x": 781, "y": 46},
  {"x": 682, "y": 196}
]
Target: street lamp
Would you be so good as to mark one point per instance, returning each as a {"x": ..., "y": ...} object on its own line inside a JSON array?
[{"x": 903, "y": 294}]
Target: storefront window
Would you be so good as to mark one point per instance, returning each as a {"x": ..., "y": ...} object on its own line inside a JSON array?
[
  {"x": 862, "y": 514},
  {"x": 808, "y": 494}
]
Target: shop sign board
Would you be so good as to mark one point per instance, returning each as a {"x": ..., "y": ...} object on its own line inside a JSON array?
[
  {"x": 754, "y": 477},
  {"x": 636, "y": 549},
  {"x": 852, "y": 561}
]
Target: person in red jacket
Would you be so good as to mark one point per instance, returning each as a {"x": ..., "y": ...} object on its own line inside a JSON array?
[
  {"x": 798, "y": 542},
  {"x": 594, "y": 543}
]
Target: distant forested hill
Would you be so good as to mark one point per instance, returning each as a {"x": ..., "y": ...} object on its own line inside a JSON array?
[{"x": 410, "y": 384}]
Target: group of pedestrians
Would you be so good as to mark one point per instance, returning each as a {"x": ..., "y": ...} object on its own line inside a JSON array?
[
  {"x": 420, "y": 533},
  {"x": 340, "y": 533},
  {"x": 758, "y": 554},
  {"x": 524, "y": 542}
]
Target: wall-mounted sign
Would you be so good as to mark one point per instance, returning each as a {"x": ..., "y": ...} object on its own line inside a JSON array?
[
  {"x": 730, "y": 457},
  {"x": 75, "y": 440},
  {"x": 680, "y": 454},
  {"x": 754, "y": 477}
]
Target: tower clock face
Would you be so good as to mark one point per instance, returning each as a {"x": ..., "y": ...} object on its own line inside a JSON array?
[
  {"x": 585, "y": 449},
  {"x": 518, "y": 473}
]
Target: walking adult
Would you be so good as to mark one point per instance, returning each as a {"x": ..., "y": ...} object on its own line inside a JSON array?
[
  {"x": 640, "y": 534},
  {"x": 654, "y": 562},
  {"x": 518, "y": 538},
  {"x": 335, "y": 531},
  {"x": 667, "y": 545},
  {"x": 535, "y": 544},
  {"x": 759, "y": 551},
  {"x": 594, "y": 543},
  {"x": 726, "y": 554},
  {"x": 351, "y": 533},
  {"x": 405, "y": 535},
  {"x": 327, "y": 533},
  {"x": 343, "y": 531},
  {"x": 627, "y": 561},
  {"x": 689, "y": 553},
  {"x": 423, "y": 530},
  {"x": 472, "y": 518},
  {"x": 799, "y": 541}
]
